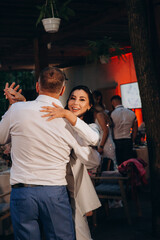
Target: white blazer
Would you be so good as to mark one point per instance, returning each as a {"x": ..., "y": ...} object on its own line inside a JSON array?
[{"x": 79, "y": 182}]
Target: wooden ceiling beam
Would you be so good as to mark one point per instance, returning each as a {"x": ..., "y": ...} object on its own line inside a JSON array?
[
  {"x": 75, "y": 30},
  {"x": 93, "y": 20}
]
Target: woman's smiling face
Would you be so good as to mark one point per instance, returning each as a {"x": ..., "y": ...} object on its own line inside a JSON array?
[{"x": 79, "y": 103}]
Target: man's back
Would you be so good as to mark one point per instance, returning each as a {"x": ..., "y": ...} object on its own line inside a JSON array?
[
  {"x": 124, "y": 123},
  {"x": 123, "y": 119},
  {"x": 40, "y": 148},
  {"x": 40, "y": 151}
]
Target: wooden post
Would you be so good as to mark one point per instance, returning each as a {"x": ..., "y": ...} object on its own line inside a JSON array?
[
  {"x": 41, "y": 55},
  {"x": 145, "y": 60}
]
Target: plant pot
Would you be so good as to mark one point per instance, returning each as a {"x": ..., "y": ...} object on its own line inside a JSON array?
[{"x": 51, "y": 25}]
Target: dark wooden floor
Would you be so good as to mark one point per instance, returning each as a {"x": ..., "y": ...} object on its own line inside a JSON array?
[{"x": 115, "y": 226}]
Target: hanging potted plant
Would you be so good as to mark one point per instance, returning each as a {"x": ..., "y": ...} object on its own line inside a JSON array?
[
  {"x": 102, "y": 50},
  {"x": 51, "y": 13}
]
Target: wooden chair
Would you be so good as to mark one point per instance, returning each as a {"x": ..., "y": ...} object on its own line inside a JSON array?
[
  {"x": 98, "y": 171},
  {"x": 111, "y": 185},
  {"x": 114, "y": 185}
]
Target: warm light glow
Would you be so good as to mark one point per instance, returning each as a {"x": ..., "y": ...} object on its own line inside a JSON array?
[
  {"x": 139, "y": 116},
  {"x": 123, "y": 71}
]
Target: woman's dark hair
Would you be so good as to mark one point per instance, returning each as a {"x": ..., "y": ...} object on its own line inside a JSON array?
[
  {"x": 98, "y": 96},
  {"x": 89, "y": 114}
]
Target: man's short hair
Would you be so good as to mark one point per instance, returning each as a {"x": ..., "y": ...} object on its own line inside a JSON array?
[
  {"x": 116, "y": 97},
  {"x": 51, "y": 79}
]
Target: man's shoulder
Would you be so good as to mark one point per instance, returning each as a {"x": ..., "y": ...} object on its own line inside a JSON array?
[
  {"x": 121, "y": 110},
  {"x": 18, "y": 105},
  {"x": 129, "y": 111},
  {"x": 116, "y": 110},
  {"x": 130, "y": 115}
]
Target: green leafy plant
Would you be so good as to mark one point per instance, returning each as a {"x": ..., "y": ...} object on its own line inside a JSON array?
[
  {"x": 55, "y": 8},
  {"x": 104, "y": 48}
]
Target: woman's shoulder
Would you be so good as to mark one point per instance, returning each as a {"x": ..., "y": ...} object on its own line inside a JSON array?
[{"x": 100, "y": 115}]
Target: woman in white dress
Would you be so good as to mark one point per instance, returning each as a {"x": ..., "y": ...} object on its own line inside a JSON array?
[{"x": 106, "y": 145}]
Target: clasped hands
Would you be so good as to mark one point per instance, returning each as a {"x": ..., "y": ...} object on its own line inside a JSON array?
[{"x": 13, "y": 94}]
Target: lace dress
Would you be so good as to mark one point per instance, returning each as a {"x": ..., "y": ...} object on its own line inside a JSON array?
[{"x": 109, "y": 147}]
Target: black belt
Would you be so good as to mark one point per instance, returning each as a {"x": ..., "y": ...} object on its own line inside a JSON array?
[{"x": 19, "y": 185}]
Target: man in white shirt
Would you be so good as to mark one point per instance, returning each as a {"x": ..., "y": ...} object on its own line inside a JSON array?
[
  {"x": 40, "y": 151},
  {"x": 124, "y": 129}
]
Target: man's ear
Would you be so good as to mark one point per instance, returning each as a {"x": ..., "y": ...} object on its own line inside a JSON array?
[
  {"x": 62, "y": 91},
  {"x": 37, "y": 87}
]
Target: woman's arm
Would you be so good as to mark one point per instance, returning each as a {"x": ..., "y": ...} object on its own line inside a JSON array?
[
  {"x": 58, "y": 112},
  {"x": 89, "y": 134},
  {"x": 101, "y": 120}
]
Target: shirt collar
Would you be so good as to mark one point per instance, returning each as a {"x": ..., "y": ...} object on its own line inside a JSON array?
[
  {"x": 49, "y": 100},
  {"x": 118, "y": 106}
]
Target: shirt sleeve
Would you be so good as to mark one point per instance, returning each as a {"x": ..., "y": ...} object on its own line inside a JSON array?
[
  {"x": 5, "y": 136},
  {"x": 89, "y": 133},
  {"x": 86, "y": 154}
]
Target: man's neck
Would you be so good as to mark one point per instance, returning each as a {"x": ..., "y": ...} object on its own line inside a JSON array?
[
  {"x": 54, "y": 95},
  {"x": 119, "y": 105}
]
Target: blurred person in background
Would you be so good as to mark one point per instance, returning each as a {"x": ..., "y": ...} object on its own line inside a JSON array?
[
  {"x": 106, "y": 145},
  {"x": 125, "y": 128}
]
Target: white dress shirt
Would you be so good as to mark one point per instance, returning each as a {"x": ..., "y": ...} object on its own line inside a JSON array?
[
  {"x": 41, "y": 149},
  {"x": 123, "y": 119}
]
